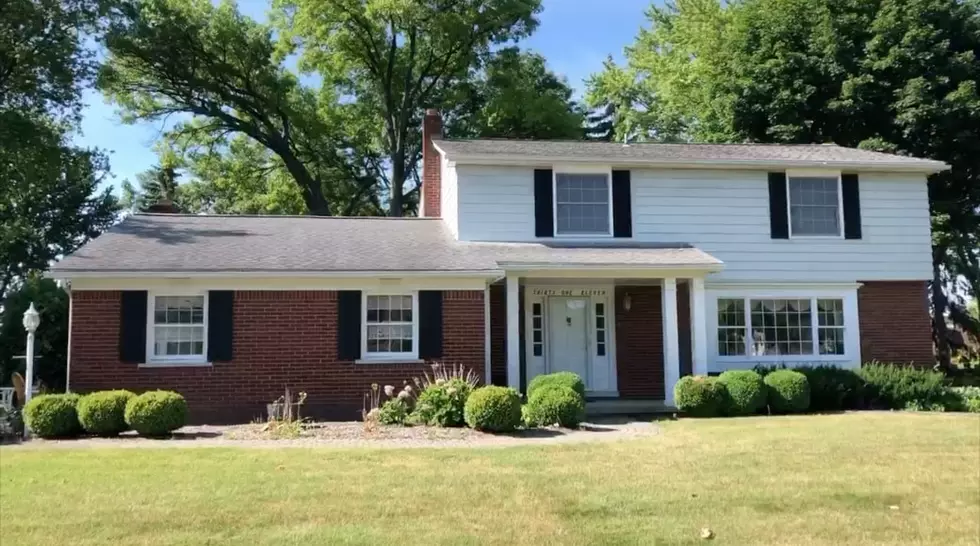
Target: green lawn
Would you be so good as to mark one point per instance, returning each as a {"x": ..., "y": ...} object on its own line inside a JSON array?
[{"x": 833, "y": 479}]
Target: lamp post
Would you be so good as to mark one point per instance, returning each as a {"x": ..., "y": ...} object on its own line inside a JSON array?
[{"x": 31, "y": 321}]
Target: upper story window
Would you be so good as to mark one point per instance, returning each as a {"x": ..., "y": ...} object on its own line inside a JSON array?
[
  {"x": 814, "y": 206},
  {"x": 583, "y": 204}
]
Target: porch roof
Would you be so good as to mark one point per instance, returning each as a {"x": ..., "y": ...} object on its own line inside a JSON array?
[{"x": 597, "y": 255}]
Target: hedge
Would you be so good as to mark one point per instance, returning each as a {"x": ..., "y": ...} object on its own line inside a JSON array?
[
  {"x": 563, "y": 379},
  {"x": 745, "y": 392},
  {"x": 700, "y": 396},
  {"x": 555, "y": 405},
  {"x": 789, "y": 391},
  {"x": 493, "y": 409},
  {"x": 53, "y": 415}
]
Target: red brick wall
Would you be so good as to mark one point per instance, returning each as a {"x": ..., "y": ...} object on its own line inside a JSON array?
[
  {"x": 271, "y": 352},
  {"x": 498, "y": 332},
  {"x": 895, "y": 322},
  {"x": 431, "y": 165},
  {"x": 639, "y": 343}
]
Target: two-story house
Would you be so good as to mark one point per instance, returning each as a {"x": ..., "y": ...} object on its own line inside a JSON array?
[{"x": 629, "y": 264}]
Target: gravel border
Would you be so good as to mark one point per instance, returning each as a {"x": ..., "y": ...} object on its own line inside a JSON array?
[{"x": 354, "y": 435}]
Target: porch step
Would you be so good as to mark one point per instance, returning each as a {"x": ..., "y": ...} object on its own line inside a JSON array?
[{"x": 614, "y": 406}]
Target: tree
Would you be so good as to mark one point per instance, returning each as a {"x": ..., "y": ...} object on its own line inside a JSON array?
[
  {"x": 48, "y": 200},
  {"x": 600, "y": 123},
  {"x": 51, "y": 341},
  {"x": 897, "y": 75},
  {"x": 189, "y": 57},
  {"x": 395, "y": 58},
  {"x": 515, "y": 96},
  {"x": 156, "y": 184}
]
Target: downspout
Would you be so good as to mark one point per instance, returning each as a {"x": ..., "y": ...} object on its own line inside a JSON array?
[{"x": 71, "y": 307}]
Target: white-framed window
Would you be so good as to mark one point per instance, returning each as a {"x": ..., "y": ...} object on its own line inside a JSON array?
[
  {"x": 177, "y": 328},
  {"x": 815, "y": 205},
  {"x": 583, "y": 203},
  {"x": 390, "y": 326},
  {"x": 779, "y": 327}
]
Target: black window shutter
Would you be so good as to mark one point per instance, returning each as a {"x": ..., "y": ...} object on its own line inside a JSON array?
[
  {"x": 851, "y": 196},
  {"x": 349, "y": 324},
  {"x": 220, "y": 325},
  {"x": 778, "y": 216},
  {"x": 544, "y": 212},
  {"x": 430, "y": 324},
  {"x": 622, "y": 211},
  {"x": 132, "y": 326}
]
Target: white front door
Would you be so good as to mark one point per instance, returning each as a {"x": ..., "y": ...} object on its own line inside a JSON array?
[{"x": 568, "y": 331}]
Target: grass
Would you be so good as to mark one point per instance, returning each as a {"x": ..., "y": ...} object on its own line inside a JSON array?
[{"x": 863, "y": 478}]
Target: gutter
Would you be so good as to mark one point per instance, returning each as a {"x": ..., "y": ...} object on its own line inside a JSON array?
[{"x": 207, "y": 274}]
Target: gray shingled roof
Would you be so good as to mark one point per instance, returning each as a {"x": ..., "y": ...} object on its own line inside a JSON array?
[
  {"x": 176, "y": 243},
  {"x": 828, "y": 154}
]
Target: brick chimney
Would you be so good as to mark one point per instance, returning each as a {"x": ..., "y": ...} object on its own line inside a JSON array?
[
  {"x": 163, "y": 206},
  {"x": 431, "y": 165}
]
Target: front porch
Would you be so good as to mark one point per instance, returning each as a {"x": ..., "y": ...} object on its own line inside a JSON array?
[{"x": 630, "y": 335}]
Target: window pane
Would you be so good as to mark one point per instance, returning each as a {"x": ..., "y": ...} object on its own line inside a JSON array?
[
  {"x": 814, "y": 206},
  {"x": 582, "y": 203},
  {"x": 781, "y": 327},
  {"x": 389, "y": 324}
]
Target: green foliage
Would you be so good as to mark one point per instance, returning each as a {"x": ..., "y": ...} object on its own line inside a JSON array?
[
  {"x": 104, "y": 413},
  {"x": 555, "y": 405},
  {"x": 53, "y": 415},
  {"x": 901, "y": 76},
  {"x": 11, "y": 424},
  {"x": 789, "y": 391},
  {"x": 833, "y": 388},
  {"x": 896, "y": 386},
  {"x": 51, "y": 340},
  {"x": 393, "y": 412},
  {"x": 700, "y": 396},
  {"x": 443, "y": 403},
  {"x": 156, "y": 413},
  {"x": 746, "y": 392},
  {"x": 560, "y": 379},
  {"x": 965, "y": 399},
  {"x": 493, "y": 409}
]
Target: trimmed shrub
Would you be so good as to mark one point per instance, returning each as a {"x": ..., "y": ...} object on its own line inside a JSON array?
[
  {"x": 53, "y": 415},
  {"x": 700, "y": 396},
  {"x": 493, "y": 409},
  {"x": 789, "y": 391},
  {"x": 104, "y": 413},
  {"x": 393, "y": 412},
  {"x": 899, "y": 386},
  {"x": 156, "y": 413},
  {"x": 442, "y": 404},
  {"x": 562, "y": 379},
  {"x": 833, "y": 388},
  {"x": 746, "y": 392},
  {"x": 555, "y": 405}
]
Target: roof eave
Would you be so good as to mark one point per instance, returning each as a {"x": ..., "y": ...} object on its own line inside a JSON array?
[
  {"x": 67, "y": 274},
  {"x": 532, "y": 266},
  {"x": 923, "y": 166}
]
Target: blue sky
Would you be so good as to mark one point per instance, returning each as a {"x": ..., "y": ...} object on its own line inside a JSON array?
[{"x": 575, "y": 36}]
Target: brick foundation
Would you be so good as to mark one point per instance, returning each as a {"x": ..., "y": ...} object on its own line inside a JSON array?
[
  {"x": 895, "y": 322},
  {"x": 271, "y": 352}
]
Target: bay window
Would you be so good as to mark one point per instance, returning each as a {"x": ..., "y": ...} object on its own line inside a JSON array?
[{"x": 760, "y": 327}]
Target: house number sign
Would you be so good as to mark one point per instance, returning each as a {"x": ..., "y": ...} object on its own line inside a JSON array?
[{"x": 568, "y": 292}]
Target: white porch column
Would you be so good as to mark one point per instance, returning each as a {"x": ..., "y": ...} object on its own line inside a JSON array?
[
  {"x": 672, "y": 361},
  {"x": 513, "y": 333},
  {"x": 699, "y": 329}
]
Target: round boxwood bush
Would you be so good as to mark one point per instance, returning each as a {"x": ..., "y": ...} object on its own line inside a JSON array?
[
  {"x": 700, "y": 396},
  {"x": 493, "y": 409},
  {"x": 156, "y": 413},
  {"x": 555, "y": 405},
  {"x": 557, "y": 379},
  {"x": 789, "y": 391},
  {"x": 53, "y": 415},
  {"x": 104, "y": 413},
  {"x": 746, "y": 392}
]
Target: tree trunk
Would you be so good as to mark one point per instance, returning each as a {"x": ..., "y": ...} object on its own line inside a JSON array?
[
  {"x": 939, "y": 304},
  {"x": 316, "y": 202},
  {"x": 396, "y": 203}
]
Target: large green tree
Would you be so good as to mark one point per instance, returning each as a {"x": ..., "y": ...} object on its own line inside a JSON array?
[
  {"x": 49, "y": 203},
  {"x": 51, "y": 344},
  {"x": 894, "y": 75}
]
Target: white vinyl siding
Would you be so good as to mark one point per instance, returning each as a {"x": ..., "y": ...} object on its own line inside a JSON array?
[{"x": 726, "y": 213}]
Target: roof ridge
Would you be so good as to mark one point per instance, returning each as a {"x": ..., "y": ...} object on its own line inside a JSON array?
[
  {"x": 278, "y": 216},
  {"x": 610, "y": 143}
]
